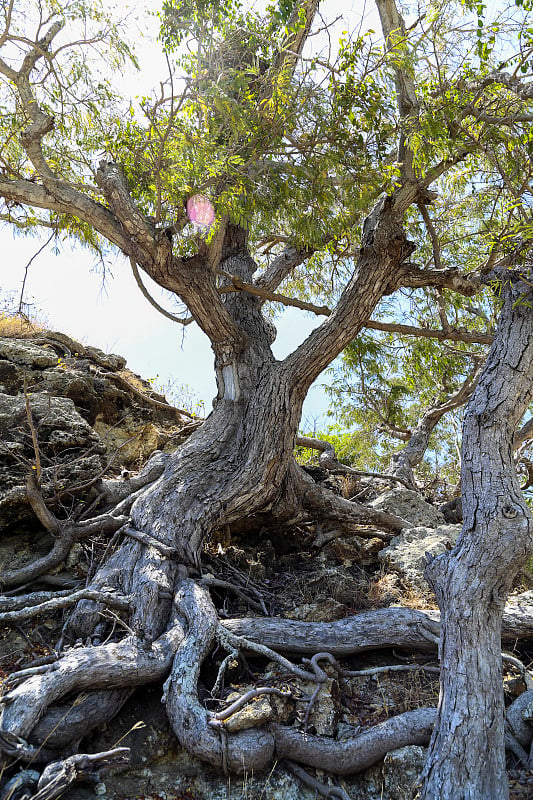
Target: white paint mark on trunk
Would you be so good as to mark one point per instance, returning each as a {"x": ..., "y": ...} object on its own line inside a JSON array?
[{"x": 230, "y": 383}]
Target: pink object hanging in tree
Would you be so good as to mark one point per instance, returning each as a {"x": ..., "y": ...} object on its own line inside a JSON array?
[{"x": 200, "y": 210}]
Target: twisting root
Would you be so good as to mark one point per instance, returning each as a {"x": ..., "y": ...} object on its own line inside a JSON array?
[{"x": 245, "y": 750}]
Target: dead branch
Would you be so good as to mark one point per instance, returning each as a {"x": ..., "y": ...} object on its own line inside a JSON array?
[
  {"x": 15, "y": 616},
  {"x": 328, "y": 460},
  {"x": 59, "y": 775},
  {"x": 182, "y": 321},
  {"x": 216, "y": 583}
]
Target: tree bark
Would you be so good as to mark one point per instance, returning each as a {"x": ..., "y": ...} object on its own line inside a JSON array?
[
  {"x": 466, "y": 758},
  {"x": 410, "y": 456}
]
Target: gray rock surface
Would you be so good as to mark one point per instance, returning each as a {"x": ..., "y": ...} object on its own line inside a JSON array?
[
  {"x": 408, "y": 505},
  {"x": 87, "y": 410},
  {"x": 70, "y": 451},
  {"x": 406, "y": 552}
]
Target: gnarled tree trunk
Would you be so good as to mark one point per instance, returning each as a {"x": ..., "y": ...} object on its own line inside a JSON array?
[
  {"x": 467, "y": 758},
  {"x": 240, "y": 462}
]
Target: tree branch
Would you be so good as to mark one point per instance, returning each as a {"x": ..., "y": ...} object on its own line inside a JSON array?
[
  {"x": 415, "y": 278},
  {"x": 394, "y": 32},
  {"x": 40, "y": 123},
  {"x": 453, "y": 334},
  {"x": 66, "y": 200},
  {"x": 281, "y": 267},
  {"x": 154, "y": 303},
  {"x": 287, "y": 58},
  {"x": 403, "y": 462},
  {"x": 237, "y": 284},
  {"x": 384, "y": 247}
]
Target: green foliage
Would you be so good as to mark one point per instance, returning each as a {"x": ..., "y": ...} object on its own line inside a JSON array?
[
  {"x": 297, "y": 151},
  {"x": 71, "y": 87}
]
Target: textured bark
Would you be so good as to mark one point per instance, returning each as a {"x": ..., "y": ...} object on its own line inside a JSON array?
[
  {"x": 359, "y": 752},
  {"x": 371, "y": 630},
  {"x": 466, "y": 757}
]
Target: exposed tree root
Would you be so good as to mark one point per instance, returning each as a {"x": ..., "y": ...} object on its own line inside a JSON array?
[
  {"x": 241, "y": 752},
  {"x": 170, "y": 626},
  {"x": 371, "y": 630},
  {"x": 357, "y": 753},
  {"x": 128, "y": 663},
  {"x": 387, "y": 627}
]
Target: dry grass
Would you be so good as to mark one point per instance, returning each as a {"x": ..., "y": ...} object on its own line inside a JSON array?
[{"x": 15, "y": 326}]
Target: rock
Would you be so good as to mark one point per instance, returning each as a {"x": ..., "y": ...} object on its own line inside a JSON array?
[
  {"x": 27, "y": 354},
  {"x": 70, "y": 451},
  {"x": 88, "y": 410},
  {"x": 257, "y": 712},
  {"x": 401, "y": 771},
  {"x": 325, "y": 611},
  {"x": 391, "y": 780},
  {"x": 406, "y": 552},
  {"x": 408, "y": 505},
  {"x": 453, "y": 510},
  {"x": 325, "y": 713}
]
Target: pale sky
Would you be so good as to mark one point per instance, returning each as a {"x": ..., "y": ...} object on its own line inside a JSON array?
[{"x": 68, "y": 288}]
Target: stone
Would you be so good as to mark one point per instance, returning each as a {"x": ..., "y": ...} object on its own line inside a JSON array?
[
  {"x": 23, "y": 352},
  {"x": 406, "y": 553},
  {"x": 90, "y": 413},
  {"x": 408, "y": 505},
  {"x": 401, "y": 771},
  {"x": 257, "y": 712},
  {"x": 325, "y": 714},
  {"x": 70, "y": 451}
]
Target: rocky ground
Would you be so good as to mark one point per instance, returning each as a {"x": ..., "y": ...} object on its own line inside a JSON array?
[{"x": 81, "y": 416}]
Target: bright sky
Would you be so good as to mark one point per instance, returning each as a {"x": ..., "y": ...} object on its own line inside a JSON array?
[{"x": 68, "y": 288}]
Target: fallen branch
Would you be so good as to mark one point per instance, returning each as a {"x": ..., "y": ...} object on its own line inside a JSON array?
[{"x": 59, "y": 775}]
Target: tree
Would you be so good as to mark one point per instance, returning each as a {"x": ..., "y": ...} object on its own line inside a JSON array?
[{"x": 311, "y": 167}]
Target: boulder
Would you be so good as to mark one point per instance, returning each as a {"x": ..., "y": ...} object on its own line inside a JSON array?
[
  {"x": 406, "y": 553},
  {"x": 408, "y": 505},
  {"x": 88, "y": 410}
]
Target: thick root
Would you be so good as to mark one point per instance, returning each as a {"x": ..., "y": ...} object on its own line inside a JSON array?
[
  {"x": 358, "y": 752},
  {"x": 195, "y": 729}
]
